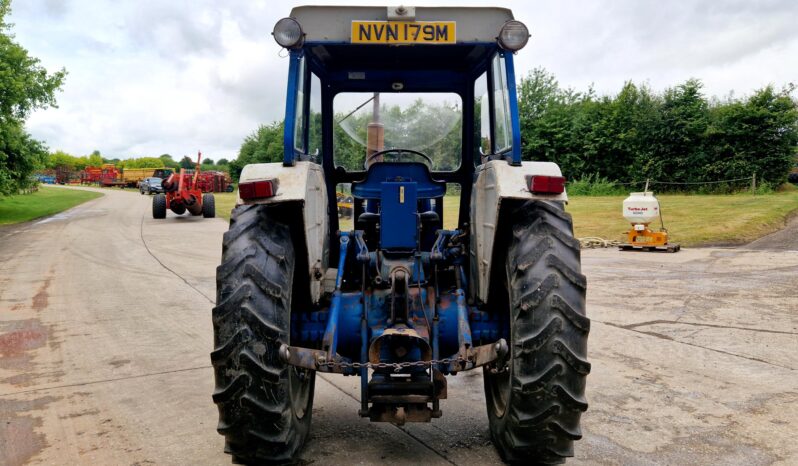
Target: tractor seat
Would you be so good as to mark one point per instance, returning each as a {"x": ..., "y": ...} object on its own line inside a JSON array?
[
  {"x": 368, "y": 218},
  {"x": 371, "y": 186},
  {"x": 430, "y": 217}
]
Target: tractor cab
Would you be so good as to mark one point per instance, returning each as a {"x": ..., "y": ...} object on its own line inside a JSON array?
[
  {"x": 412, "y": 109},
  {"x": 368, "y": 86}
]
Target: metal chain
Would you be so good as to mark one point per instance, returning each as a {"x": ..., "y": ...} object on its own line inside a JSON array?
[
  {"x": 596, "y": 242},
  {"x": 396, "y": 366}
]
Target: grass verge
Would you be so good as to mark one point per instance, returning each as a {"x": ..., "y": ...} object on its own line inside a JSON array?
[
  {"x": 692, "y": 220},
  {"x": 46, "y": 201},
  {"x": 224, "y": 204}
]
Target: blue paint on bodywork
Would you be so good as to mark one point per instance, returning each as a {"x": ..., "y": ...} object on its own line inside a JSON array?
[
  {"x": 332, "y": 332},
  {"x": 295, "y": 57},
  {"x": 309, "y": 327},
  {"x": 513, "y": 97},
  {"x": 378, "y": 173},
  {"x": 399, "y": 218}
]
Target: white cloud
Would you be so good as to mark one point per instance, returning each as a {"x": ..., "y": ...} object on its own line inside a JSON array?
[{"x": 150, "y": 77}]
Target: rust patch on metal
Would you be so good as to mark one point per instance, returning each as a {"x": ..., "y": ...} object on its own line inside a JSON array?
[{"x": 19, "y": 441}]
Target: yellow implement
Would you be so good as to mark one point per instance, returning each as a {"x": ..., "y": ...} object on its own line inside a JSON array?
[{"x": 345, "y": 205}]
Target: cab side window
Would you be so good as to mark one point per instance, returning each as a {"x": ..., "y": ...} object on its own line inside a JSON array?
[
  {"x": 299, "y": 118},
  {"x": 502, "y": 131},
  {"x": 482, "y": 136}
]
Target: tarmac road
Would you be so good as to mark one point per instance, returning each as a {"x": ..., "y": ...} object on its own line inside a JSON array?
[{"x": 105, "y": 334}]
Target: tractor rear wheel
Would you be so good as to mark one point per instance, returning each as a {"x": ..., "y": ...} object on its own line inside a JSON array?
[
  {"x": 159, "y": 206},
  {"x": 264, "y": 405},
  {"x": 208, "y": 205},
  {"x": 536, "y": 401}
]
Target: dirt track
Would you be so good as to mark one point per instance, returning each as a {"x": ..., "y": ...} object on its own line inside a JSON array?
[
  {"x": 105, "y": 334},
  {"x": 785, "y": 239}
]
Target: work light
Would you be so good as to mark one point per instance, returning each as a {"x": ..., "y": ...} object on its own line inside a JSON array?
[
  {"x": 288, "y": 33},
  {"x": 513, "y": 36}
]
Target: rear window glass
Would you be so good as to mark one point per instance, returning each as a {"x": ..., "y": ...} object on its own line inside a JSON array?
[{"x": 430, "y": 123}]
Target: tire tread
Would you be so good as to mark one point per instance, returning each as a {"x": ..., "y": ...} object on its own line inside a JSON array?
[
  {"x": 546, "y": 295},
  {"x": 251, "y": 321}
]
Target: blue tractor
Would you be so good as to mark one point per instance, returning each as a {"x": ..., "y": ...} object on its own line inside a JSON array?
[{"x": 415, "y": 111}]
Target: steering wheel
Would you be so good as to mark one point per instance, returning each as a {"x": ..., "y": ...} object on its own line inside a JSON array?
[{"x": 399, "y": 153}]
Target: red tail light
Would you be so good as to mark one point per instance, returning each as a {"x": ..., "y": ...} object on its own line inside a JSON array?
[
  {"x": 546, "y": 184},
  {"x": 257, "y": 189}
]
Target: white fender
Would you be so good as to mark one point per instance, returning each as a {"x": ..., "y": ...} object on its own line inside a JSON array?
[
  {"x": 497, "y": 180},
  {"x": 303, "y": 182}
]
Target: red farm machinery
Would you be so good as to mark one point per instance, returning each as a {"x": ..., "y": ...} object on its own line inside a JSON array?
[
  {"x": 183, "y": 192},
  {"x": 106, "y": 175},
  {"x": 214, "y": 182}
]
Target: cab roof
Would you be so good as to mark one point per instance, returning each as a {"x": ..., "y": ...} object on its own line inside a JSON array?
[{"x": 334, "y": 23}]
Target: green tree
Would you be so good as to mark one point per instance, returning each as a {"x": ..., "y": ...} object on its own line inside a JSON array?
[
  {"x": 60, "y": 159},
  {"x": 263, "y": 145},
  {"x": 169, "y": 162},
  {"x": 755, "y": 136},
  {"x": 617, "y": 141},
  {"x": 20, "y": 155},
  {"x": 186, "y": 162},
  {"x": 142, "y": 162},
  {"x": 81, "y": 162},
  {"x": 222, "y": 161},
  {"x": 24, "y": 86},
  {"x": 678, "y": 141},
  {"x": 207, "y": 161},
  {"x": 95, "y": 159},
  {"x": 554, "y": 122}
]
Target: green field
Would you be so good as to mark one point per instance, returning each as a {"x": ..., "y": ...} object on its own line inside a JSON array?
[
  {"x": 46, "y": 201},
  {"x": 692, "y": 220},
  {"x": 224, "y": 204}
]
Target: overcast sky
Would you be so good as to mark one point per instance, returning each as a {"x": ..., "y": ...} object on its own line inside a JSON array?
[{"x": 148, "y": 77}]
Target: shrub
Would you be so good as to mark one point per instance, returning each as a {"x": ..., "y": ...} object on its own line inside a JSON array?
[{"x": 594, "y": 185}]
